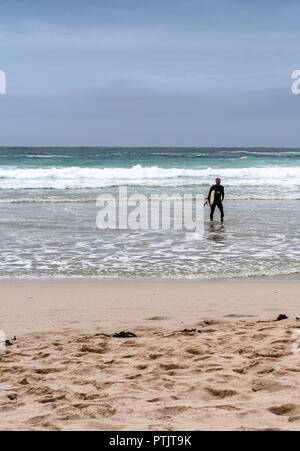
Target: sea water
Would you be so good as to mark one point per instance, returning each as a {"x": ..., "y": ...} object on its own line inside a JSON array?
[{"x": 48, "y": 213}]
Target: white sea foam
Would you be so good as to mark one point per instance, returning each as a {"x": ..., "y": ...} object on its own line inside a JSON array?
[
  {"x": 285, "y": 153},
  {"x": 78, "y": 177}
]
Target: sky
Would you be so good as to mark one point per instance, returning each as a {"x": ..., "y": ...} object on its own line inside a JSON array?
[{"x": 149, "y": 73}]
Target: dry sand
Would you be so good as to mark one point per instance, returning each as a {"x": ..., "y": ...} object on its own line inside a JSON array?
[{"x": 234, "y": 373}]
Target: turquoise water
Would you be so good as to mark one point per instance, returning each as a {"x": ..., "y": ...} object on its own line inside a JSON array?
[
  {"x": 60, "y": 174},
  {"x": 160, "y": 157},
  {"x": 48, "y": 212}
]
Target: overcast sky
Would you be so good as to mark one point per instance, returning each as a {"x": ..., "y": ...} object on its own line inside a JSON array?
[{"x": 149, "y": 73}]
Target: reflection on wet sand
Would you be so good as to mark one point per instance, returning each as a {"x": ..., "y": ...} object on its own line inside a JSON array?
[{"x": 216, "y": 232}]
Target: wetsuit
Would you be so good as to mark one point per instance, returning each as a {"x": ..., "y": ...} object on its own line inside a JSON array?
[{"x": 219, "y": 197}]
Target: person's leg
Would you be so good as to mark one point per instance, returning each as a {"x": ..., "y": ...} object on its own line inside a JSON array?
[
  {"x": 220, "y": 206},
  {"x": 213, "y": 207}
]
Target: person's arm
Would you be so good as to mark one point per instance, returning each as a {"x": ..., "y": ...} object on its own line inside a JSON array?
[
  {"x": 208, "y": 197},
  {"x": 223, "y": 193}
]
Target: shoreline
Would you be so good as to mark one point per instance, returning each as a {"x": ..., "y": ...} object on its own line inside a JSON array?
[{"x": 280, "y": 278}]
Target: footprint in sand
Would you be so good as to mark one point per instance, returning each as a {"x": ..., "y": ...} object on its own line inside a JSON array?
[
  {"x": 285, "y": 410},
  {"x": 221, "y": 393},
  {"x": 267, "y": 385}
]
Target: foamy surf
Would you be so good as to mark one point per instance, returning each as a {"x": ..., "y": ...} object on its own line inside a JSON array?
[
  {"x": 86, "y": 177},
  {"x": 48, "y": 213}
]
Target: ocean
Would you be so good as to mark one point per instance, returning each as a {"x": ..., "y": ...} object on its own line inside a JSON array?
[{"x": 48, "y": 213}]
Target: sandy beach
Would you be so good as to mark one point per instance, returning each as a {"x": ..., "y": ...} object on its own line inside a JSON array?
[
  {"x": 149, "y": 218},
  {"x": 206, "y": 355}
]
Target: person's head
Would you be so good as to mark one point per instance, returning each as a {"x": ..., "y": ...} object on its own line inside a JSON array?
[{"x": 218, "y": 181}]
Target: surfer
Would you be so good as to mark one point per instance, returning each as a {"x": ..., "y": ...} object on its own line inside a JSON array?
[{"x": 215, "y": 199}]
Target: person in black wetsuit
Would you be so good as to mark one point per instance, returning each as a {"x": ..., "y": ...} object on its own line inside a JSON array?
[{"x": 219, "y": 197}]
